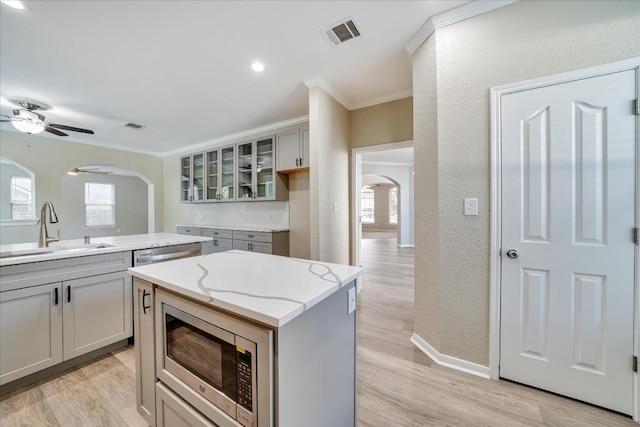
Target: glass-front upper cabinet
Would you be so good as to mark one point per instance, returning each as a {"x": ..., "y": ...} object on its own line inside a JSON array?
[
  {"x": 256, "y": 171},
  {"x": 245, "y": 171},
  {"x": 192, "y": 178},
  {"x": 265, "y": 169},
  {"x": 220, "y": 174}
]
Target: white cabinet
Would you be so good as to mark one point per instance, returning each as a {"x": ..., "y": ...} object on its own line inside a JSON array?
[
  {"x": 257, "y": 178},
  {"x": 220, "y": 174},
  {"x": 222, "y": 240},
  {"x": 96, "y": 312},
  {"x": 53, "y": 311},
  {"x": 192, "y": 178},
  {"x": 144, "y": 337},
  {"x": 30, "y": 330},
  {"x": 292, "y": 150}
]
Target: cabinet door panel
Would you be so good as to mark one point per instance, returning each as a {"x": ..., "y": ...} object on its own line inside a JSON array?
[
  {"x": 174, "y": 412},
  {"x": 144, "y": 346},
  {"x": 30, "y": 331},
  {"x": 288, "y": 150},
  {"x": 97, "y": 312},
  {"x": 304, "y": 149}
]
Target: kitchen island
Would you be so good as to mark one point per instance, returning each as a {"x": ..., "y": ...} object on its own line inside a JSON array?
[{"x": 299, "y": 315}]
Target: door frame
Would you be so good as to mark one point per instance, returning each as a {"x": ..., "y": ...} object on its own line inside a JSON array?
[
  {"x": 356, "y": 184},
  {"x": 496, "y": 205}
]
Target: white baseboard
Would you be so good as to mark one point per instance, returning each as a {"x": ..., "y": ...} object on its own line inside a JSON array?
[
  {"x": 449, "y": 361},
  {"x": 406, "y": 245}
]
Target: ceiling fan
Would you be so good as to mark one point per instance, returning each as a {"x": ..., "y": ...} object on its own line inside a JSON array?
[
  {"x": 27, "y": 120},
  {"x": 96, "y": 171}
]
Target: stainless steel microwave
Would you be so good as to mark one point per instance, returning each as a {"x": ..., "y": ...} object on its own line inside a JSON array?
[{"x": 205, "y": 354}]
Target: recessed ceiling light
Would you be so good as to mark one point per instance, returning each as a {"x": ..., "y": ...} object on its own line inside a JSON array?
[
  {"x": 14, "y": 4},
  {"x": 257, "y": 67}
]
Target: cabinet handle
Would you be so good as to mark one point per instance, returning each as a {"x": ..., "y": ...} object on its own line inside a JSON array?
[
  {"x": 68, "y": 293},
  {"x": 215, "y": 243},
  {"x": 297, "y": 160},
  {"x": 300, "y": 161},
  {"x": 55, "y": 296},
  {"x": 250, "y": 235},
  {"x": 145, "y": 307}
]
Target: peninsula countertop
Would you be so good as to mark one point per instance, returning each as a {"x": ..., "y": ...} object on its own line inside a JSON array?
[
  {"x": 266, "y": 288},
  {"x": 21, "y": 253}
]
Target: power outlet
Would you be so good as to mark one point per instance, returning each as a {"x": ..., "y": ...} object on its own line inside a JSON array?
[{"x": 351, "y": 299}]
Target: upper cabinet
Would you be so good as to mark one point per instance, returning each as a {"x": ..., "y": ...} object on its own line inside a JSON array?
[
  {"x": 220, "y": 174},
  {"x": 292, "y": 150},
  {"x": 241, "y": 172},
  {"x": 192, "y": 178}
]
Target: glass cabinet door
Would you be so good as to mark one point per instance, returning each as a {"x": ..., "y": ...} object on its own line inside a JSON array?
[
  {"x": 212, "y": 175},
  {"x": 264, "y": 169},
  {"x": 245, "y": 171},
  {"x": 227, "y": 170},
  {"x": 185, "y": 179},
  {"x": 198, "y": 177}
]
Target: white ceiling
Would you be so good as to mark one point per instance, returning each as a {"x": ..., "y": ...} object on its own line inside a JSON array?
[{"x": 182, "y": 68}]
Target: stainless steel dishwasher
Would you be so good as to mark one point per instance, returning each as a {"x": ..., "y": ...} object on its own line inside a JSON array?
[{"x": 165, "y": 253}]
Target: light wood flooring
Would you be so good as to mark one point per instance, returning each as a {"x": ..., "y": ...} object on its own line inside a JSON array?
[{"x": 397, "y": 384}]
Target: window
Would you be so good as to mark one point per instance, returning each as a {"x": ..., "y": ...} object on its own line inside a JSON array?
[
  {"x": 367, "y": 205},
  {"x": 21, "y": 198},
  {"x": 99, "y": 200},
  {"x": 393, "y": 205}
]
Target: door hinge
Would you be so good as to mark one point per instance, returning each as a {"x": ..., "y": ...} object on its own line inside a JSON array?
[
  {"x": 636, "y": 235},
  {"x": 635, "y": 363},
  {"x": 636, "y": 107}
]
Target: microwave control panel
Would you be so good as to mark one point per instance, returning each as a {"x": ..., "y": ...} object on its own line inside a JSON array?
[{"x": 244, "y": 381}]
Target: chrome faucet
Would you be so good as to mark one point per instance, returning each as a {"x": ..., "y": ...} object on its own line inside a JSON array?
[{"x": 44, "y": 240}]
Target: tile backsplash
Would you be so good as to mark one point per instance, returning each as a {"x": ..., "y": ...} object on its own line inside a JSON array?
[{"x": 258, "y": 214}]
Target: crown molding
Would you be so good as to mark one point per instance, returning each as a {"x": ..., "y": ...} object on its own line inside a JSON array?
[
  {"x": 394, "y": 97},
  {"x": 324, "y": 84},
  {"x": 237, "y": 136},
  {"x": 453, "y": 16}
]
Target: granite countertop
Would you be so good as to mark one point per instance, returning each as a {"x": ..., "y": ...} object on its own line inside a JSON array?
[
  {"x": 75, "y": 248},
  {"x": 266, "y": 288},
  {"x": 237, "y": 227}
]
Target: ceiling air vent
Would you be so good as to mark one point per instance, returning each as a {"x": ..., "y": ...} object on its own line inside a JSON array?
[
  {"x": 133, "y": 126},
  {"x": 342, "y": 32}
]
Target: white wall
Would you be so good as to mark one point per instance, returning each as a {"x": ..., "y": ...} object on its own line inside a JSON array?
[
  {"x": 130, "y": 203},
  {"x": 328, "y": 178},
  {"x": 453, "y": 73},
  {"x": 403, "y": 176}
]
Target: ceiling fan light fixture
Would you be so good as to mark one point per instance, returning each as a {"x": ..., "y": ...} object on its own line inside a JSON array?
[
  {"x": 14, "y": 4},
  {"x": 29, "y": 127}
]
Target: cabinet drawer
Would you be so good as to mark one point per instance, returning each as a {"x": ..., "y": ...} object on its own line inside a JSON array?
[
  {"x": 253, "y": 236},
  {"x": 193, "y": 231},
  {"x": 217, "y": 245},
  {"x": 217, "y": 232},
  {"x": 263, "y": 248}
]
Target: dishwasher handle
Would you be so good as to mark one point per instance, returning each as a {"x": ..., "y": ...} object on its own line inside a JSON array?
[{"x": 150, "y": 258}]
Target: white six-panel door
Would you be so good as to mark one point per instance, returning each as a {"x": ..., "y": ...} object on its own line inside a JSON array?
[{"x": 568, "y": 208}]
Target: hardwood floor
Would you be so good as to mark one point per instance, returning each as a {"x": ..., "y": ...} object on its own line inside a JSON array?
[{"x": 397, "y": 384}]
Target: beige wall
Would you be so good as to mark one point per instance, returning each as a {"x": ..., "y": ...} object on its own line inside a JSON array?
[
  {"x": 299, "y": 216},
  {"x": 328, "y": 177},
  {"x": 525, "y": 40},
  {"x": 382, "y": 123},
  {"x": 51, "y": 158}
]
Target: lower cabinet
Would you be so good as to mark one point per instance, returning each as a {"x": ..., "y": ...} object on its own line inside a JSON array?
[
  {"x": 275, "y": 243},
  {"x": 144, "y": 348},
  {"x": 171, "y": 411},
  {"x": 222, "y": 240},
  {"x": 96, "y": 312},
  {"x": 44, "y": 325},
  {"x": 30, "y": 330}
]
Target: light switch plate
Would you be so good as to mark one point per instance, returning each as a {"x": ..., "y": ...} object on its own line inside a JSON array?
[
  {"x": 351, "y": 298},
  {"x": 471, "y": 206}
]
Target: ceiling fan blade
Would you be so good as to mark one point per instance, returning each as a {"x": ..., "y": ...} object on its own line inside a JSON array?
[
  {"x": 71, "y": 128},
  {"x": 54, "y": 131}
]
